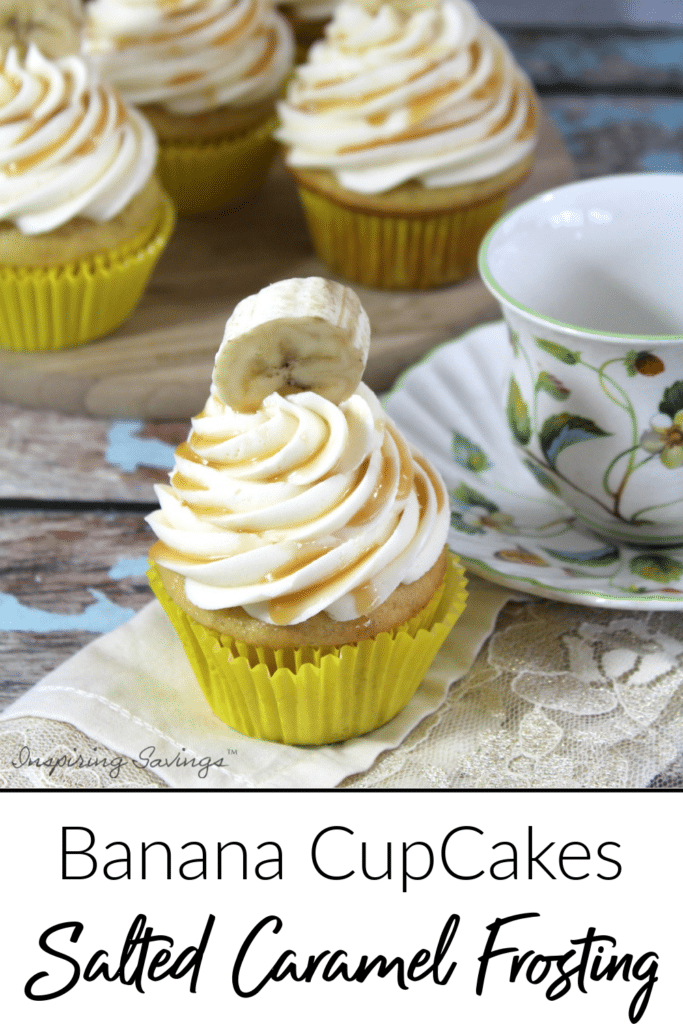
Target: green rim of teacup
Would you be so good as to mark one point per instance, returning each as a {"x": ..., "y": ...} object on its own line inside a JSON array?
[{"x": 493, "y": 286}]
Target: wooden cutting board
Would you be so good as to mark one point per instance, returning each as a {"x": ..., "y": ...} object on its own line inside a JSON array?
[{"x": 157, "y": 366}]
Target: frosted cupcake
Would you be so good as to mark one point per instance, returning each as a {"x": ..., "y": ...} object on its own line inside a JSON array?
[
  {"x": 206, "y": 73},
  {"x": 301, "y": 541},
  {"x": 83, "y": 219},
  {"x": 406, "y": 129}
]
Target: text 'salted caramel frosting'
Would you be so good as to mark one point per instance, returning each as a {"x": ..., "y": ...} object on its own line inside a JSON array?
[
  {"x": 408, "y": 90},
  {"x": 301, "y": 507},
  {"x": 69, "y": 146},
  {"x": 190, "y": 56}
]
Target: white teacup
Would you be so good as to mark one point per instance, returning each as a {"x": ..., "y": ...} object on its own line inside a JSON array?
[{"x": 590, "y": 281}]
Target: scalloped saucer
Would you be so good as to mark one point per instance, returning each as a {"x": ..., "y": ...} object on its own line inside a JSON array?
[{"x": 505, "y": 525}]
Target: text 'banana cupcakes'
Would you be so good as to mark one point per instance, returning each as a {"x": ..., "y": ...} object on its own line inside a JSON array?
[
  {"x": 83, "y": 219},
  {"x": 406, "y": 129},
  {"x": 301, "y": 541}
]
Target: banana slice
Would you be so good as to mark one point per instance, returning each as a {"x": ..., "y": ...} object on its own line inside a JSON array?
[
  {"x": 53, "y": 25},
  {"x": 303, "y": 334}
]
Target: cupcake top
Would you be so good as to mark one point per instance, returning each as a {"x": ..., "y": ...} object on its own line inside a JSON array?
[
  {"x": 408, "y": 90},
  {"x": 69, "y": 146},
  {"x": 305, "y": 504},
  {"x": 190, "y": 56}
]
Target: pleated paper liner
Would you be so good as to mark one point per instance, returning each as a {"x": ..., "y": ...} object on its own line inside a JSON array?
[
  {"x": 43, "y": 309},
  {"x": 314, "y": 696},
  {"x": 202, "y": 177},
  {"x": 392, "y": 251}
]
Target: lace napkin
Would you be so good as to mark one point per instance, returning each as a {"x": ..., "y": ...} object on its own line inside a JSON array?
[{"x": 126, "y": 711}]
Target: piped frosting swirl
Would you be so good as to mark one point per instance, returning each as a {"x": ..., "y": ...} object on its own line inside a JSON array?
[
  {"x": 411, "y": 90},
  {"x": 69, "y": 146},
  {"x": 190, "y": 56},
  {"x": 301, "y": 507}
]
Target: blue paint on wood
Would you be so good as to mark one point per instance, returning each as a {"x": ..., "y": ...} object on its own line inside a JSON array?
[
  {"x": 127, "y": 451},
  {"x": 662, "y": 160},
  {"x": 654, "y": 54},
  {"x": 579, "y": 57},
  {"x": 596, "y": 113},
  {"x": 126, "y": 567},
  {"x": 100, "y": 617}
]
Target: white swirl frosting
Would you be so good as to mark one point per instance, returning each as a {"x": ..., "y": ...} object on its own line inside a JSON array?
[
  {"x": 301, "y": 507},
  {"x": 69, "y": 147},
  {"x": 190, "y": 56},
  {"x": 415, "y": 90}
]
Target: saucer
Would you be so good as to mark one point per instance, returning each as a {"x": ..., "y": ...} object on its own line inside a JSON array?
[{"x": 507, "y": 525}]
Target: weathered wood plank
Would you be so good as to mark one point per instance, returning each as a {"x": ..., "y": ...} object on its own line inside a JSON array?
[
  {"x": 53, "y": 456},
  {"x": 64, "y": 579},
  {"x": 613, "y": 134},
  {"x": 600, "y": 58}
]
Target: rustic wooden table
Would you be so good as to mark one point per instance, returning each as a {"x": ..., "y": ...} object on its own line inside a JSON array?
[{"x": 74, "y": 489}]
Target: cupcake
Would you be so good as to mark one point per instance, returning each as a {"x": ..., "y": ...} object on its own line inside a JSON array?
[
  {"x": 207, "y": 74},
  {"x": 309, "y": 19},
  {"x": 301, "y": 552},
  {"x": 83, "y": 219},
  {"x": 405, "y": 130}
]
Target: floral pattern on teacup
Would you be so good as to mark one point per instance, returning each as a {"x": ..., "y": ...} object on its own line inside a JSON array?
[
  {"x": 474, "y": 512},
  {"x": 560, "y": 430}
]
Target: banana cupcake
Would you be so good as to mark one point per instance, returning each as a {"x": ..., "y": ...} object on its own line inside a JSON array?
[
  {"x": 406, "y": 130},
  {"x": 301, "y": 552},
  {"x": 83, "y": 219},
  {"x": 207, "y": 74}
]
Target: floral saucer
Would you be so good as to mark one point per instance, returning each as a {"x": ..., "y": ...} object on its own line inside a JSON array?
[{"x": 507, "y": 525}]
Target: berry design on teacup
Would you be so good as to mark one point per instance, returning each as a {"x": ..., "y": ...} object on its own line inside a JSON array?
[{"x": 558, "y": 431}]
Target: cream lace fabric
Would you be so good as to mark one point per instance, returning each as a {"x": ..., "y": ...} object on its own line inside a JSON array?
[{"x": 561, "y": 696}]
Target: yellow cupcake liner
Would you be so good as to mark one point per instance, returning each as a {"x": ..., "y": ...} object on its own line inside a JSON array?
[
  {"x": 202, "y": 177},
  {"x": 314, "y": 696},
  {"x": 393, "y": 251},
  {"x": 44, "y": 309}
]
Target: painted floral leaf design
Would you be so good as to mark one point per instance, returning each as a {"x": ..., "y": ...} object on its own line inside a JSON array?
[
  {"x": 546, "y": 382},
  {"x": 518, "y": 414},
  {"x": 458, "y": 523},
  {"x": 466, "y": 497},
  {"x": 469, "y": 455},
  {"x": 542, "y": 477},
  {"x": 521, "y": 556},
  {"x": 672, "y": 399},
  {"x": 560, "y": 352},
  {"x": 514, "y": 340},
  {"x": 598, "y": 556},
  {"x": 560, "y": 431},
  {"x": 655, "y": 566}
]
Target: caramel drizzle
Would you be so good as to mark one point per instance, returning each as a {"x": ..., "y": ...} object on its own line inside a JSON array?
[
  {"x": 434, "y": 479},
  {"x": 283, "y": 610},
  {"x": 172, "y": 34},
  {"x": 265, "y": 59},
  {"x": 160, "y": 552},
  {"x": 26, "y": 163}
]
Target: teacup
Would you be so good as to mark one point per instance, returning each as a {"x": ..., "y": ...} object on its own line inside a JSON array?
[{"x": 590, "y": 281}]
